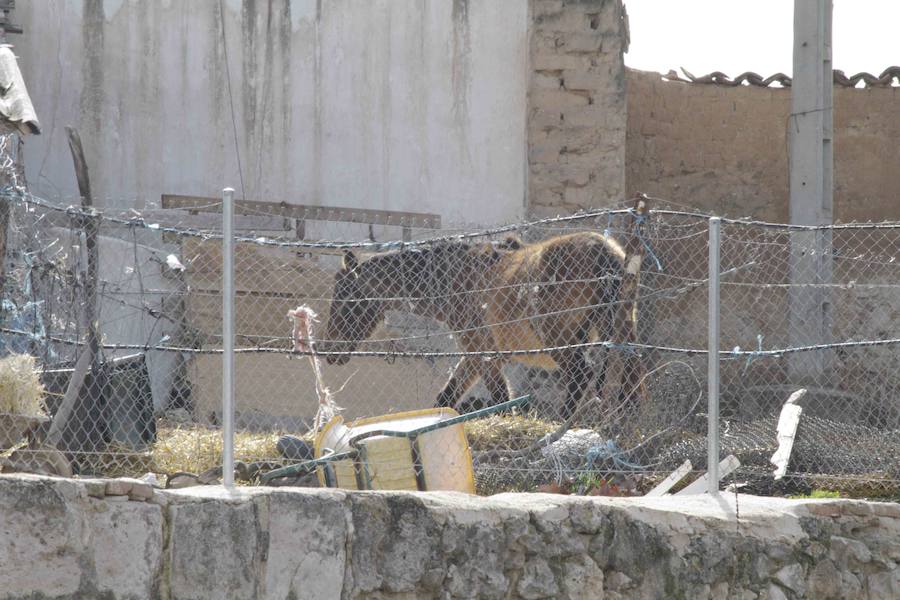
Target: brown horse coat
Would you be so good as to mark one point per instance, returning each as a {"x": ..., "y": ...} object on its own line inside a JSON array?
[{"x": 508, "y": 297}]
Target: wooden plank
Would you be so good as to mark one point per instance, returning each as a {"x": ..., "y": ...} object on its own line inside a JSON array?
[
  {"x": 624, "y": 367},
  {"x": 178, "y": 218},
  {"x": 305, "y": 212},
  {"x": 91, "y": 233},
  {"x": 669, "y": 482},
  {"x": 726, "y": 467},
  {"x": 73, "y": 390}
]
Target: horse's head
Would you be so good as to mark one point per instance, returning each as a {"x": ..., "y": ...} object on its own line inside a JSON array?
[{"x": 353, "y": 316}]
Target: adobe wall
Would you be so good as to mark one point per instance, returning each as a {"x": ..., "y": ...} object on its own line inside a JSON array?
[
  {"x": 724, "y": 149},
  {"x": 66, "y": 539},
  {"x": 576, "y": 105}
]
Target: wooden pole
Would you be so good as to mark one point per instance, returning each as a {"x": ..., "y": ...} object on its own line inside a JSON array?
[
  {"x": 91, "y": 233},
  {"x": 83, "y": 404},
  {"x": 624, "y": 367}
]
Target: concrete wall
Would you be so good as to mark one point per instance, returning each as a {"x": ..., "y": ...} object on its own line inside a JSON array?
[
  {"x": 724, "y": 149},
  {"x": 70, "y": 539},
  {"x": 386, "y": 104},
  {"x": 576, "y": 108}
]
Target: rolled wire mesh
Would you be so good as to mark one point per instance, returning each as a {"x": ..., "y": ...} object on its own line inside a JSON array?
[
  {"x": 814, "y": 309},
  {"x": 402, "y": 310}
]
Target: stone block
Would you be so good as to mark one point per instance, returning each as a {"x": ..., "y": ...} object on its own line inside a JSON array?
[
  {"x": 580, "y": 79},
  {"x": 95, "y": 488},
  {"x": 42, "y": 536},
  {"x": 557, "y": 99},
  {"x": 588, "y": 42},
  {"x": 543, "y": 152},
  {"x": 141, "y": 492},
  {"x": 557, "y": 60},
  {"x": 546, "y": 80},
  {"x": 134, "y": 489},
  {"x": 581, "y": 579},
  {"x": 119, "y": 487},
  {"x": 825, "y": 581},
  {"x": 215, "y": 550},
  {"x": 545, "y": 119},
  {"x": 792, "y": 577},
  {"x": 537, "y": 581},
  {"x": 307, "y": 546},
  {"x": 126, "y": 549},
  {"x": 884, "y": 584},
  {"x": 585, "y": 116},
  {"x": 566, "y": 21},
  {"x": 396, "y": 543},
  {"x": 545, "y": 8}
]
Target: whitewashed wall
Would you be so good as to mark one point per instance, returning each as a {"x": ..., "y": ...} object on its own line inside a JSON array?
[{"x": 416, "y": 105}]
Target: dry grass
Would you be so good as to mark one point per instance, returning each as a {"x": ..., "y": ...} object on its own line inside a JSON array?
[
  {"x": 197, "y": 449},
  {"x": 21, "y": 391},
  {"x": 507, "y": 432}
]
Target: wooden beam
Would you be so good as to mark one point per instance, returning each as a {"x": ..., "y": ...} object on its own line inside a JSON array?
[
  {"x": 83, "y": 434},
  {"x": 726, "y": 467},
  {"x": 91, "y": 233},
  {"x": 304, "y": 212},
  {"x": 669, "y": 482},
  {"x": 624, "y": 366}
]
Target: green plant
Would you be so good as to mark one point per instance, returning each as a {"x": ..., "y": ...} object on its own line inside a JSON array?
[{"x": 818, "y": 495}]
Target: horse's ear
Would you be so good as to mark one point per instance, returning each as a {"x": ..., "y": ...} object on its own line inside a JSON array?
[
  {"x": 512, "y": 242},
  {"x": 349, "y": 263}
]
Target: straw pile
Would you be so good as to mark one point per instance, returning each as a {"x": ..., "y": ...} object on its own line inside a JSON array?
[
  {"x": 197, "y": 449},
  {"x": 507, "y": 432},
  {"x": 21, "y": 391}
]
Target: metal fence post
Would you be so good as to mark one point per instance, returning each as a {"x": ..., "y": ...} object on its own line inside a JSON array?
[
  {"x": 228, "y": 337},
  {"x": 713, "y": 357}
]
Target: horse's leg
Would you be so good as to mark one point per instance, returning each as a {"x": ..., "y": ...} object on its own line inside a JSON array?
[
  {"x": 464, "y": 375},
  {"x": 576, "y": 377},
  {"x": 492, "y": 375},
  {"x": 600, "y": 379}
]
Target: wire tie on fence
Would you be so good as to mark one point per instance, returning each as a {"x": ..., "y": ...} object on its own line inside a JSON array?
[
  {"x": 754, "y": 354},
  {"x": 624, "y": 347}
]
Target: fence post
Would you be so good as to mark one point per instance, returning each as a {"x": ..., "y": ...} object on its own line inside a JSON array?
[
  {"x": 713, "y": 357},
  {"x": 228, "y": 337}
]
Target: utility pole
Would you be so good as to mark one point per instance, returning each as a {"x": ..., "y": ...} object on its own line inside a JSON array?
[{"x": 811, "y": 180}]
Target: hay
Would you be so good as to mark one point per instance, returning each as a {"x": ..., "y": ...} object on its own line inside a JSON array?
[
  {"x": 507, "y": 432},
  {"x": 21, "y": 391},
  {"x": 197, "y": 449}
]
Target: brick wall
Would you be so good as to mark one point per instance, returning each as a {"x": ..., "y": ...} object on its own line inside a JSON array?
[{"x": 576, "y": 124}]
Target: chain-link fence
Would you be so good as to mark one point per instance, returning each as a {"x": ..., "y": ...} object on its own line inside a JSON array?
[{"x": 601, "y": 318}]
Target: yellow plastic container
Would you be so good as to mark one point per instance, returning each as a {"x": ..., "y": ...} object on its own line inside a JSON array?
[{"x": 401, "y": 459}]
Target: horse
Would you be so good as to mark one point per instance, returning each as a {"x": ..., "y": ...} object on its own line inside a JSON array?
[{"x": 511, "y": 297}]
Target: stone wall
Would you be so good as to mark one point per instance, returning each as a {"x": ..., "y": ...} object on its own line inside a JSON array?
[
  {"x": 89, "y": 540},
  {"x": 724, "y": 149},
  {"x": 576, "y": 105}
]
